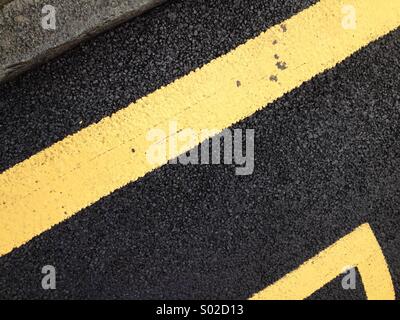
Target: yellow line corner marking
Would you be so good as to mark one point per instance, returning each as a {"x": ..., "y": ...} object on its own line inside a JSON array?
[
  {"x": 358, "y": 249},
  {"x": 74, "y": 173}
]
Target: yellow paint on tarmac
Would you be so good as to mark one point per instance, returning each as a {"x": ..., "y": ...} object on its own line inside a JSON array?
[
  {"x": 74, "y": 173},
  {"x": 359, "y": 249}
]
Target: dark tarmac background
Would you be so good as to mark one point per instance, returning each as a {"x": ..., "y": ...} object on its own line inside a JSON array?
[{"x": 326, "y": 161}]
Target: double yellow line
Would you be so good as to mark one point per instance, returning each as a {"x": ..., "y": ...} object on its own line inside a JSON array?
[{"x": 74, "y": 173}]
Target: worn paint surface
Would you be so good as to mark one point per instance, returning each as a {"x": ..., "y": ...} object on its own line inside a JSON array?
[{"x": 76, "y": 172}]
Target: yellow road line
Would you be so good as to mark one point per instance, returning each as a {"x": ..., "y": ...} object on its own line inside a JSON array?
[
  {"x": 79, "y": 170},
  {"x": 359, "y": 249}
]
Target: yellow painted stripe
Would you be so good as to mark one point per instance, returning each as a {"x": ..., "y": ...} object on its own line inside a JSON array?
[
  {"x": 79, "y": 170},
  {"x": 359, "y": 249}
]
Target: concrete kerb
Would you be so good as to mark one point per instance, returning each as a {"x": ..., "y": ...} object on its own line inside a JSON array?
[{"x": 34, "y": 31}]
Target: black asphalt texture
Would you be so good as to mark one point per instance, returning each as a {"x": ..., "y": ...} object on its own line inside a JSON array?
[{"x": 327, "y": 159}]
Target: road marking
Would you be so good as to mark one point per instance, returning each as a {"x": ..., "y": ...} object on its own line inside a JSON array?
[
  {"x": 74, "y": 173},
  {"x": 359, "y": 249}
]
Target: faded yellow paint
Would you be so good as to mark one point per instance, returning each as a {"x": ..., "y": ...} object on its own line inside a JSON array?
[
  {"x": 359, "y": 249},
  {"x": 74, "y": 173}
]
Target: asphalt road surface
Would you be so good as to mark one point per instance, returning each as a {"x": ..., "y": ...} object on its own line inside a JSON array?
[{"x": 327, "y": 159}]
